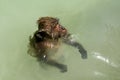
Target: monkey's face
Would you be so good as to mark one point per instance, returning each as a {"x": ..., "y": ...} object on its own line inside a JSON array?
[
  {"x": 52, "y": 27},
  {"x": 60, "y": 31}
]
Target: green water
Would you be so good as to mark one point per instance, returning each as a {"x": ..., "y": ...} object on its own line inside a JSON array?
[{"x": 94, "y": 23}]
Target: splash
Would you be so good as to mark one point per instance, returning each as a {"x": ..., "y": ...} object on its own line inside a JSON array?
[{"x": 104, "y": 59}]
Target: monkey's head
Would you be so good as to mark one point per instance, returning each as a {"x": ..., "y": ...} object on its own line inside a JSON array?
[{"x": 51, "y": 26}]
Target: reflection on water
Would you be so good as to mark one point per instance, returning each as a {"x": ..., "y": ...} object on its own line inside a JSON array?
[
  {"x": 104, "y": 59},
  {"x": 95, "y": 24}
]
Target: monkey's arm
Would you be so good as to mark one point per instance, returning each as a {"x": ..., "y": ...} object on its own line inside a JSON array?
[{"x": 68, "y": 40}]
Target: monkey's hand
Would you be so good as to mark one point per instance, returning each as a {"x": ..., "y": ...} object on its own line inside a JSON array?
[
  {"x": 81, "y": 49},
  {"x": 68, "y": 40},
  {"x": 83, "y": 53}
]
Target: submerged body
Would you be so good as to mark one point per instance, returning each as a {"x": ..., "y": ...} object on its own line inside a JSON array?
[{"x": 47, "y": 39}]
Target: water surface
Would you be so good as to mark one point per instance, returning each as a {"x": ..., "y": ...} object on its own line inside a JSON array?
[{"x": 94, "y": 23}]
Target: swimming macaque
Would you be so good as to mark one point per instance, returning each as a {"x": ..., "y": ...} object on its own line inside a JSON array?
[{"x": 47, "y": 39}]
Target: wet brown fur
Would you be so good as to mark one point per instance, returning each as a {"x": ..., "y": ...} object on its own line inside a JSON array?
[{"x": 47, "y": 38}]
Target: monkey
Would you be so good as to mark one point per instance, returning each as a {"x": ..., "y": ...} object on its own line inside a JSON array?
[{"x": 48, "y": 37}]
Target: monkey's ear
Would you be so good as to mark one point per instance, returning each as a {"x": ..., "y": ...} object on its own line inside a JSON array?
[
  {"x": 38, "y": 37},
  {"x": 44, "y": 34}
]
